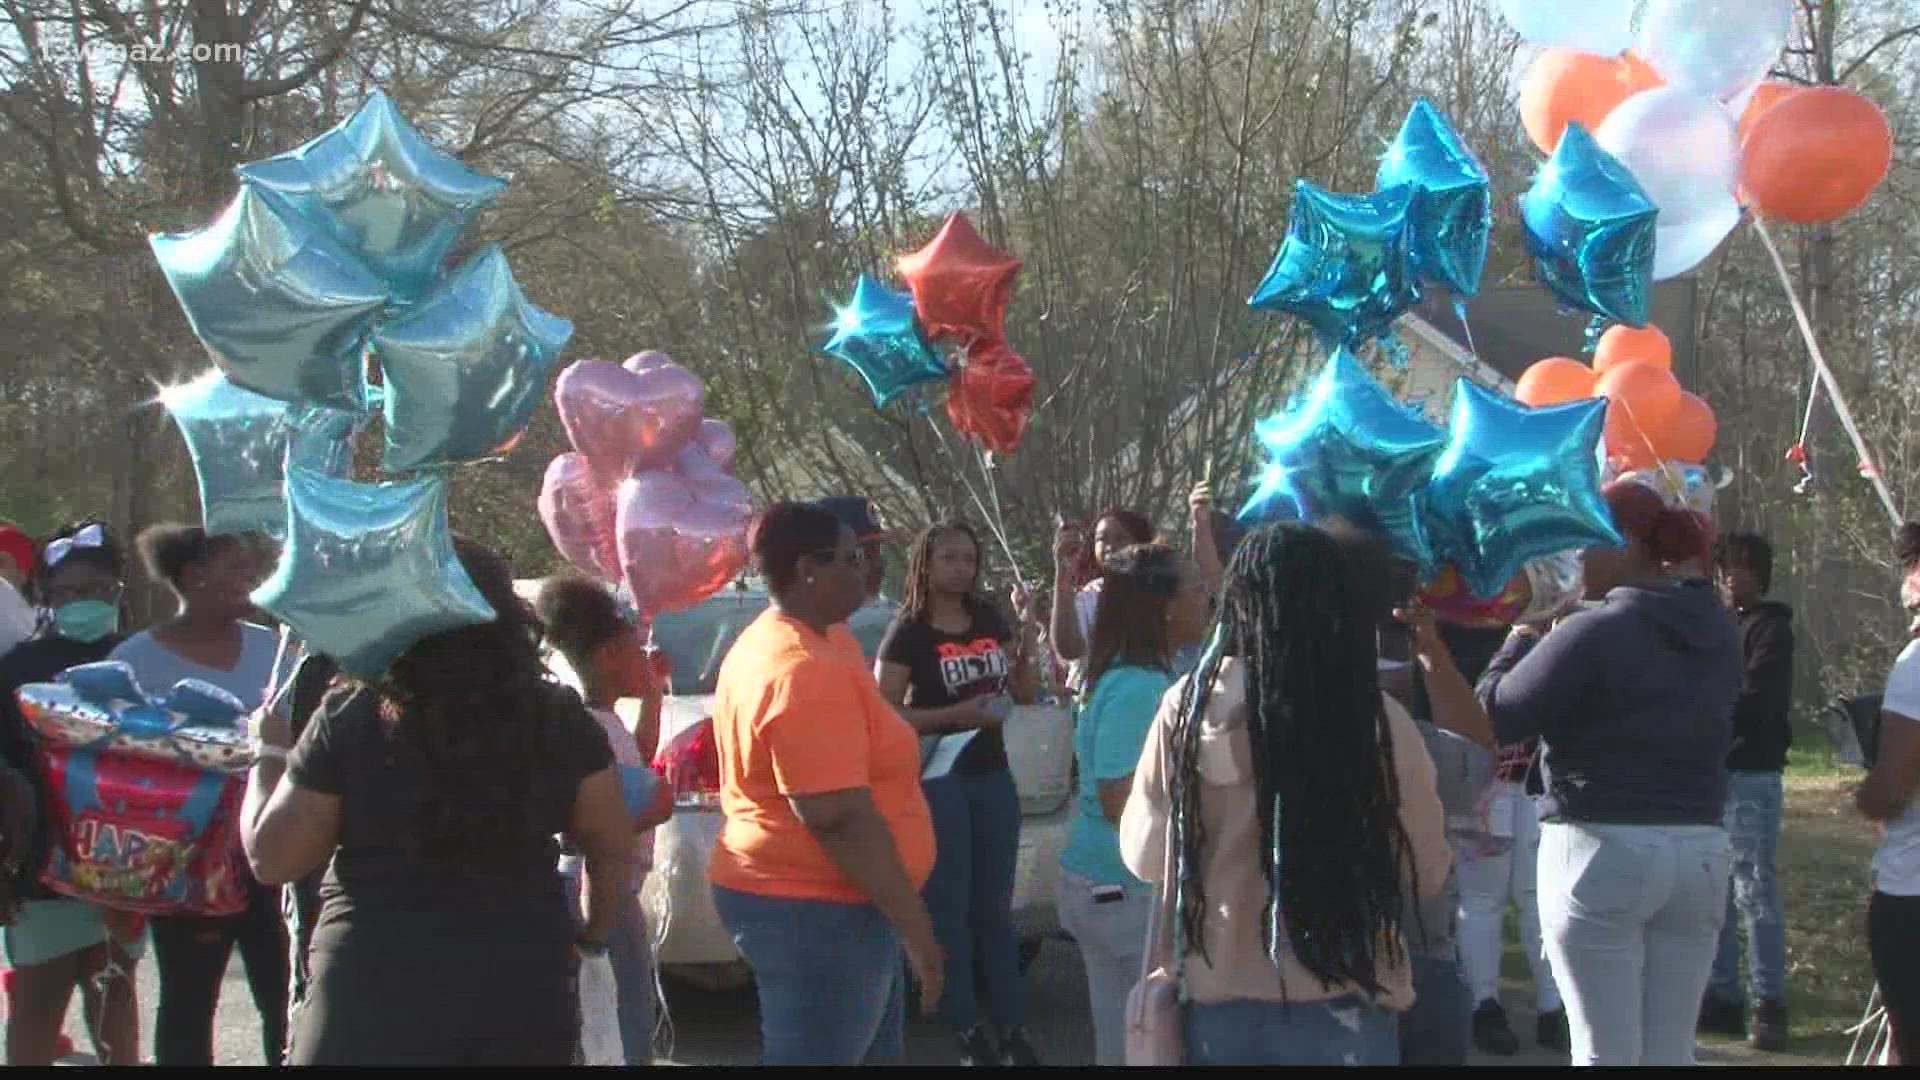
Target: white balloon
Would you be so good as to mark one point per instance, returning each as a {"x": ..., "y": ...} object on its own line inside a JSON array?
[
  {"x": 1679, "y": 248},
  {"x": 1719, "y": 48},
  {"x": 1683, "y": 148},
  {"x": 1595, "y": 26}
]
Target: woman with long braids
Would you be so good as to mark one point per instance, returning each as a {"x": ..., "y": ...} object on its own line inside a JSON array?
[
  {"x": 432, "y": 795},
  {"x": 1302, "y": 805},
  {"x": 951, "y": 665}
]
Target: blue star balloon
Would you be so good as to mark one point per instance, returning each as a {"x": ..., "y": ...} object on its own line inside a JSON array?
[
  {"x": 368, "y": 570},
  {"x": 465, "y": 368},
  {"x": 1350, "y": 450},
  {"x": 1346, "y": 266},
  {"x": 1515, "y": 483},
  {"x": 240, "y": 443},
  {"x": 1590, "y": 230},
  {"x": 284, "y": 310},
  {"x": 383, "y": 191},
  {"x": 1452, "y": 205},
  {"x": 877, "y": 335}
]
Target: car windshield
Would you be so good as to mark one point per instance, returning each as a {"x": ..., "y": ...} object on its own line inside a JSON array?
[{"x": 697, "y": 640}]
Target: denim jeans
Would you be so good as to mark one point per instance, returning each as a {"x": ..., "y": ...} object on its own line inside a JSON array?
[
  {"x": 976, "y": 824},
  {"x": 1438, "y": 1028},
  {"x": 831, "y": 982},
  {"x": 1344, "y": 1031},
  {"x": 1754, "y": 802},
  {"x": 630, "y": 949},
  {"x": 1112, "y": 937},
  {"x": 1489, "y": 878},
  {"x": 1631, "y": 915}
]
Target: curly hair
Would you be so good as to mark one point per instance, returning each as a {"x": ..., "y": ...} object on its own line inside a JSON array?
[
  {"x": 476, "y": 705},
  {"x": 1301, "y": 610}
]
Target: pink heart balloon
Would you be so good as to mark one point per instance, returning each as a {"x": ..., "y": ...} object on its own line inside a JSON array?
[
  {"x": 716, "y": 439},
  {"x": 578, "y": 512},
  {"x": 647, "y": 360},
  {"x": 624, "y": 420},
  {"x": 682, "y": 532}
]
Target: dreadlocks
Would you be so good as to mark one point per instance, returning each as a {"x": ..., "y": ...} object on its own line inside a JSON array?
[{"x": 1300, "y": 612}]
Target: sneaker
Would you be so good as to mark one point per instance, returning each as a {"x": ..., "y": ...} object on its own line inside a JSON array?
[
  {"x": 1016, "y": 1051},
  {"x": 1719, "y": 1017},
  {"x": 977, "y": 1050},
  {"x": 1491, "y": 1033},
  {"x": 1551, "y": 1031},
  {"x": 1769, "y": 1026}
]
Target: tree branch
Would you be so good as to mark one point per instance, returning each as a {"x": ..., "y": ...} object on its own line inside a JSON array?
[
  {"x": 1889, "y": 39},
  {"x": 255, "y": 90}
]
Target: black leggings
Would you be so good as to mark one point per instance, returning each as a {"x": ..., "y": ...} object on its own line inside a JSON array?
[
  {"x": 1893, "y": 940},
  {"x": 192, "y": 953}
]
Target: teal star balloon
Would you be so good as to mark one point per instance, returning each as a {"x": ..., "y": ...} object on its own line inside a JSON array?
[
  {"x": 1516, "y": 483},
  {"x": 465, "y": 369},
  {"x": 383, "y": 191},
  {"x": 368, "y": 570},
  {"x": 284, "y": 310},
  {"x": 877, "y": 335},
  {"x": 1347, "y": 265},
  {"x": 240, "y": 443},
  {"x": 1348, "y": 449}
]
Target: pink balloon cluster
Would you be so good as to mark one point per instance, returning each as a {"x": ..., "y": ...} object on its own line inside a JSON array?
[{"x": 648, "y": 494}]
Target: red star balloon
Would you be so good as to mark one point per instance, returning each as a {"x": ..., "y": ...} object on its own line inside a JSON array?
[
  {"x": 992, "y": 397},
  {"x": 961, "y": 284}
]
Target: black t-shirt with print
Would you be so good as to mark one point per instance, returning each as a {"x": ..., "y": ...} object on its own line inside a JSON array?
[{"x": 945, "y": 669}]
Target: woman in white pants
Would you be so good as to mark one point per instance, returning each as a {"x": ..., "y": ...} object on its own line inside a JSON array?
[
  {"x": 1633, "y": 706},
  {"x": 1498, "y": 869}
]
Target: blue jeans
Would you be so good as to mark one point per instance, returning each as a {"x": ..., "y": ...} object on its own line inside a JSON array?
[
  {"x": 630, "y": 950},
  {"x": 1631, "y": 914},
  {"x": 1344, "y": 1031},
  {"x": 1437, "y": 1029},
  {"x": 976, "y": 823},
  {"x": 1753, "y": 899},
  {"x": 831, "y": 982}
]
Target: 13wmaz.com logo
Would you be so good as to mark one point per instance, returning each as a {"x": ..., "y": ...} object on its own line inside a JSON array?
[{"x": 145, "y": 52}]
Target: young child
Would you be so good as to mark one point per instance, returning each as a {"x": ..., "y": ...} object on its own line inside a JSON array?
[{"x": 612, "y": 661}]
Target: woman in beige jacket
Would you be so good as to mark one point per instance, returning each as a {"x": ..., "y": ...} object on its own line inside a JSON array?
[{"x": 1303, "y": 807}]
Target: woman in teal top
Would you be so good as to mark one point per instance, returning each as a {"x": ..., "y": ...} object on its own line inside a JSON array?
[{"x": 1154, "y": 603}]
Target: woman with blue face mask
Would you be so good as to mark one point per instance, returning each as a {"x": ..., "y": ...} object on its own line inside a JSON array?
[{"x": 54, "y": 944}]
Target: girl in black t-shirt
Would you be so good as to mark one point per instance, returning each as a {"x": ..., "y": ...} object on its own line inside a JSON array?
[{"x": 955, "y": 667}]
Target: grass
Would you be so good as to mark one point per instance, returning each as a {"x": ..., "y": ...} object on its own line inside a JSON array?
[{"x": 1825, "y": 850}]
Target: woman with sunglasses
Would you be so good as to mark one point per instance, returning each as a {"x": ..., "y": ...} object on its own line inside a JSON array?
[
  {"x": 54, "y": 944},
  {"x": 951, "y": 665},
  {"x": 827, "y": 839}
]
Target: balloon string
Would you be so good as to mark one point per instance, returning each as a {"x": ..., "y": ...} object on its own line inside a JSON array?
[
  {"x": 1466, "y": 326},
  {"x": 1825, "y": 373},
  {"x": 994, "y": 525},
  {"x": 279, "y": 682}
]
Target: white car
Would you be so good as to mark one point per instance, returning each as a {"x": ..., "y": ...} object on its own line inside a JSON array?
[{"x": 691, "y": 943}]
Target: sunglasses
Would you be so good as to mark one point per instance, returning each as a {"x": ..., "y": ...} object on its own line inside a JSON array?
[{"x": 853, "y": 557}]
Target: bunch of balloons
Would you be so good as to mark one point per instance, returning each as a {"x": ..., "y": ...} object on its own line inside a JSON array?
[
  {"x": 647, "y": 496},
  {"x": 958, "y": 288},
  {"x": 1650, "y": 419},
  {"x": 1502, "y": 487},
  {"x": 1687, "y": 115},
  {"x": 1351, "y": 264},
  {"x": 143, "y": 796},
  {"x": 322, "y": 294}
]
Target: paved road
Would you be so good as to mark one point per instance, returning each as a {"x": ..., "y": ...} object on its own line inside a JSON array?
[{"x": 722, "y": 1028}]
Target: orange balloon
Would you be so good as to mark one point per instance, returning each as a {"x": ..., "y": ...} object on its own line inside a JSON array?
[
  {"x": 1641, "y": 400},
  {"x": 1554, "y": 381},
  {"x": 1689, "y": 434},
  {"x": 1815, "y": 155},
  {"x": 1564, "y": 85},
  {"x": 1624, "y": 344},
  {"x": 1765, "y": 96}
]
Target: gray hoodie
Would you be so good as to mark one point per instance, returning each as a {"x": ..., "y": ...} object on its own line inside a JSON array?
[
  {"x": 1633, "y": 702},
  {"x": 1462, "y": 770}
]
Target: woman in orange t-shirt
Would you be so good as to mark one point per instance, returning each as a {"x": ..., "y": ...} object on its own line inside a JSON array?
[{"x": 827, "y": 838}]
